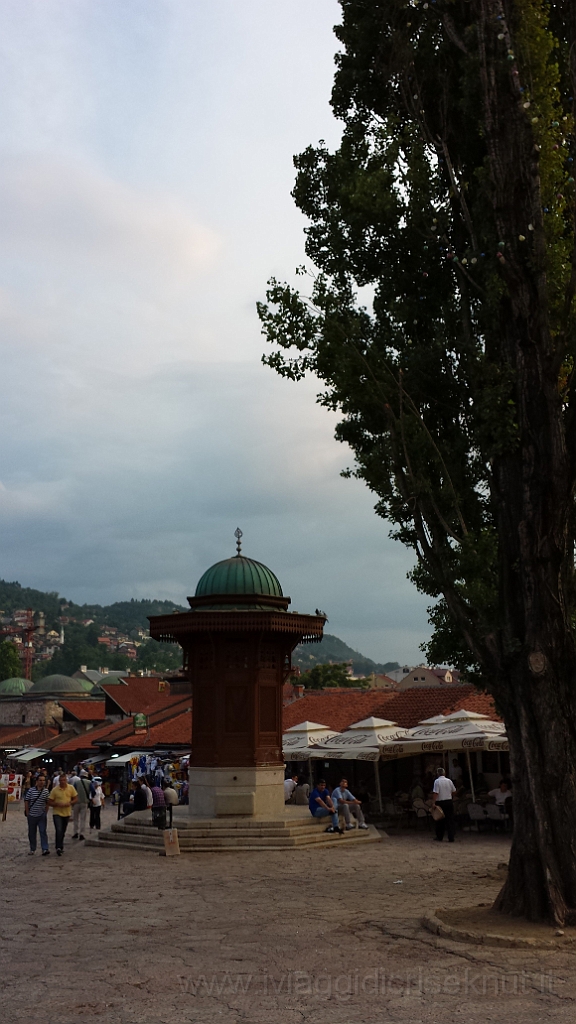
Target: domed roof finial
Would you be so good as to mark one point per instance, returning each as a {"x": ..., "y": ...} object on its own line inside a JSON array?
[{"x": 238, "y": 534}]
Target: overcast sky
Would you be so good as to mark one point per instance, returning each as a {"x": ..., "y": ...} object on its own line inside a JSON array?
[{"x": 145, "y": 174}]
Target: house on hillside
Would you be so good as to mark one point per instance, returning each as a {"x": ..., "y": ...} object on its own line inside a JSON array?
[{"x": 421, "y": 675}]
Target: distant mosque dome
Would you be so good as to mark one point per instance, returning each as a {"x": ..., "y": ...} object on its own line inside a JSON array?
[
  {"x": 14, "y": 687},
  {"x": 61, "y": 684}
]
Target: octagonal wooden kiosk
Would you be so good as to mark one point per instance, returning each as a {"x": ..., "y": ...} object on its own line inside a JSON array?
[{"x": 237, "y": 640}]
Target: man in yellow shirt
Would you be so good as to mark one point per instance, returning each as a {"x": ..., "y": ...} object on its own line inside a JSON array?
[{"x": 62, "y": 799}]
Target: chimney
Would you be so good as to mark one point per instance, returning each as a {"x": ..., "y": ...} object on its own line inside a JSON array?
[
  {"x": 299, "y": 690},
  {"x": 83, "y": 668}
]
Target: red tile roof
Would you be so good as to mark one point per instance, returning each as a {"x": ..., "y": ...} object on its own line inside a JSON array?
[
  {"x": 481, "y": 703},
  {"x": 85, "y": 710},
  {"x": 176, "y": 731},
  {"x": 25, "y": 735},
  {"x": 171, "y": 725},
  {"x": 137, "y": 694},
  {"x": 338, "y": 709},
  {"x": 84, "y": 740},
  {"x": 121, "y": 734}
]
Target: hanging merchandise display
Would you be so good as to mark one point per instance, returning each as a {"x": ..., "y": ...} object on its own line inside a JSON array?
[{"x": 13, "y": 783}]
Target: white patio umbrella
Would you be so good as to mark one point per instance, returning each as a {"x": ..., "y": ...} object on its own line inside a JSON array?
[
  {"x": 297, "y": 741},
  {"x": 361, "y": 741},
  {"x": 462, "y": 730}
]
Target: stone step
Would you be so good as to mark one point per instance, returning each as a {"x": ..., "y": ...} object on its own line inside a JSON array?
[
  {"x": 109, "y": 840},
  {"x": 225, "y": 824},
  {"x": 207, "y": 833},
  {"x": 227, "y": 842}
]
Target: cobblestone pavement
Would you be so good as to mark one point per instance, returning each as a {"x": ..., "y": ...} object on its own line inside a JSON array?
[{"x": 318, "y": 937}]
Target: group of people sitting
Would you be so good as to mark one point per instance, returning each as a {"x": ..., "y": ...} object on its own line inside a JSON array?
[
  {"x": 323, "y": 803},
  {"x": 148, "y": 794}
]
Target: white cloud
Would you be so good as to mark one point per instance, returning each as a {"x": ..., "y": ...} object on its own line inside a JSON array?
[
  {"x": 145, "y": 172},
  {"x": 71, "y": 217}
]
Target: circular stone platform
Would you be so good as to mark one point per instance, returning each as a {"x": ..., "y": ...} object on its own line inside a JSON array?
[{"x": 481, "y": 925}]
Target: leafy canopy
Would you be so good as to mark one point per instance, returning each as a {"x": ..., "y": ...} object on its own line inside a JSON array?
[
  {"x": 327, "y": 675},
  {"x": 410, "y": 210},
  {"x": 10, "y": 665}
]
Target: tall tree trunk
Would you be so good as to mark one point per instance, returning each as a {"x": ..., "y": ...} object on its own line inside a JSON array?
[
  {"x": 535, "y": 684},
  {"x": 541, "y": 883},
  {"x": 534, "y": 656}
]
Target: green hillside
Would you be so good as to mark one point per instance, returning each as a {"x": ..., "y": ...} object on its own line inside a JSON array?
[
  {"x": 332, "y": 649},
  {"x": 81, "y": 645},
  {"x": 125, "y": 615}
]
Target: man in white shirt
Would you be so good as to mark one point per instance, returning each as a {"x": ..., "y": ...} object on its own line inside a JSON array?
[
  {"x": 442, "y": 794},
  {"x": 289, "y": 787},
  {"x": 501, "y": 794}
]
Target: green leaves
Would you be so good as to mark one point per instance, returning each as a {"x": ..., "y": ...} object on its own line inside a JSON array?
[
  {"x": 452, "y": 206},
  {"x": 10, "y": 664}
]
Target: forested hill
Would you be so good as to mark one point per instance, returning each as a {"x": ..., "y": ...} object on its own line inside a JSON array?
[
  {"x": 332, "y": 649},
  {"x": 128, "y": 616},
  {"x": 125, "y": 615}
]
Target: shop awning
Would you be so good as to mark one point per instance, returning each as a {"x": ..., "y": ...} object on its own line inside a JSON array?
[
  {"x": 96, "y": 759},
  {"x": 27, "y": 754},
  {"x": 124, "y": 759}
]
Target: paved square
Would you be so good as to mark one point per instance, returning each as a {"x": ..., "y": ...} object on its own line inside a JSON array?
[{"x": 317, "y": 936}]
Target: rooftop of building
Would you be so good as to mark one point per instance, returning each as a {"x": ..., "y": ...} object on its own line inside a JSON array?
[
  {"x": 56, "y": 684},
  {"x": 338, "y": 709},
  {"x": 14, "y": 686}
]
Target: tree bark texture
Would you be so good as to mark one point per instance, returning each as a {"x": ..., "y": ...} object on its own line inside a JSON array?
[{"x": 534, "y": 657}]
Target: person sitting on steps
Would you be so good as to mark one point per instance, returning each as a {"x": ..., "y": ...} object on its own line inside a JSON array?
[
  {"x": 321, "y": 806},
  {"x": 346, "y": 802}
]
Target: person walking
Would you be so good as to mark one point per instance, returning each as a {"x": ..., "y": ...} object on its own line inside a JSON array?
[
  {"x": 62, "y": 799},
  {"x": 442, "y": 793},
  {"x": 96, "y": 802},
  {"x": 81, "y": 784},
  {"x": 36, "y": 811}
]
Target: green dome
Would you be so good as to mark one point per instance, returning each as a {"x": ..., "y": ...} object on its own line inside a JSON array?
[
  {"x": 239, "y": 575},
  {"x": 14, "y": 687},
  {"x": 61, "y": 684}
]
